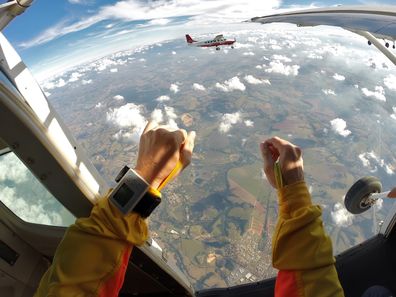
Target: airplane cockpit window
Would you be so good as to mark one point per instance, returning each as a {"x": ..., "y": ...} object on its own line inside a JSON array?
[
  {"x": 26, "y": 197},
  {"x": 323, "y": 88}
]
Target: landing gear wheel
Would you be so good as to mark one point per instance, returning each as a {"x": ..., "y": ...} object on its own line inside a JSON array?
[
  {"x": 217, "y": 48},
  {"x": 356, "y": 199},
  {"x": 232, "y": 46}
]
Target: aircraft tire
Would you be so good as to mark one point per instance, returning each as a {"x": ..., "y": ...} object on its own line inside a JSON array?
[{"x": 359, "y": 191}]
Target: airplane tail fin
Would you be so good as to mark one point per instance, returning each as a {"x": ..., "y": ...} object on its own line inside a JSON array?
[{"x": 189, "y": 39}]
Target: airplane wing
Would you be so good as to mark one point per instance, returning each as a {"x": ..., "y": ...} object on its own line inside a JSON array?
[
  {"x": 372, "y": 22},
  {"x": 11, "y": 9}
]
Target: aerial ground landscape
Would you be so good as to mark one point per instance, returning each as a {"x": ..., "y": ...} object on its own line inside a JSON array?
[{"x": 330, "y": 94}]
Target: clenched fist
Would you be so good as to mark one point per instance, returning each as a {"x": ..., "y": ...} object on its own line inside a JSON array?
[
  {"x": 290, "y": 160},
  {"x": 160, "y": 150}
]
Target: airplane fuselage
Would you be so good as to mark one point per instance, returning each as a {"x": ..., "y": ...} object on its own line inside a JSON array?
[
  {"x": 212, "y": 43},
  {"x": 218, "y": 41}
]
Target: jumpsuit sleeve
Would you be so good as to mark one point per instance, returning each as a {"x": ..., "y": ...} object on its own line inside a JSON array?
[
  {"x": 302, "y": 252},
  {"x": 93, "y": 256}
]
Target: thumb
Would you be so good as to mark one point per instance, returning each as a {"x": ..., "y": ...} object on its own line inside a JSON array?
[
  {"x": 269, "y": 162},
  {"x": 267, "y": 154},
  {"x": 187, "y": 149}
]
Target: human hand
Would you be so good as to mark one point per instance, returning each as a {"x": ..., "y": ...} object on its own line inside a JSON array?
[
  {"x": 160, "y": 150},
  {"x": 290, "y": 159},
  {"x": 392, "y": 193}
]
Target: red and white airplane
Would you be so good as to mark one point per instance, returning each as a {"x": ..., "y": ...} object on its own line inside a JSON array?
[{"x": 218, "y": 41}]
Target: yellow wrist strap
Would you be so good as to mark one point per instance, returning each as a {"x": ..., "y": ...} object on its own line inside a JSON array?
[
  {"x": 174, "y": 172},
  {"x": 278, "y": 175}
]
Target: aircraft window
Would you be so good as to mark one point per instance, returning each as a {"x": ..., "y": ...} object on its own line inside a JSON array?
[
  {"x": 26, "y": 197},
  {"x": 323, "y": 92}
]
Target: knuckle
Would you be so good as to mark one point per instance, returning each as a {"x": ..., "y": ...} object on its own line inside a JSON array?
[{"x": 298, "y": 151}]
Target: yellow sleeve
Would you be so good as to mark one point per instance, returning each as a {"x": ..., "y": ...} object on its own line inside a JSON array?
[
  {"x": 301, "y": 250},
  {"x": 92, "y": 258}
]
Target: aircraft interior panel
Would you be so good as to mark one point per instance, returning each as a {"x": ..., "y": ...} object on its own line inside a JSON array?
[{"x": 21, "y": 266}]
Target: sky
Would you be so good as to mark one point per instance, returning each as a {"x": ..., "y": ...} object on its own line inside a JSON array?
[{"x": 54, "y": 35}]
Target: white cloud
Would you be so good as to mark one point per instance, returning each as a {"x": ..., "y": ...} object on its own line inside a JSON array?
[
  {"x": 155, "y": 22},
  {"x": 159, "y": 22},
  {"x": 99, "y": 105},
  {"x": 340, "y": 216},
  {"x": 378, "y": 204},
  {"x": 86, "y": 82},
  {"x": 248, "y": 54},
  {"x": 255, "y": 81},
  {"x": 329, "y": 92},
  {"x": 393, "y": 116},
  {"x": 157, "y": 115},
  {"x": 170, "y": 112},
  {"x": 372, "y": 161},
  {"x": 228, "y": 120},
  {"x": 173, "y": 53},
  {"x": 174, "y": 88},
  {"x": 244, "y": 45},
  {"x": 113, "y": 70},
  {"x": 315, "y": 56},
  {"x": 11, "y": 170},
  {"x": 128, "y": 116},
  {"x": 163, "y": 98},
  {"x": 104, "y": 63},
  {"x": 339, "y": 126},
  {"x": 276, "y": 47},
  {"x": 80, "y": 1},
  {"x": 249, "y": 123},
  {"x": 231, "y": 85},
  {"x": 61, "y": 83},
  {"x": 32, "y": 211},
  {"x": 279, "y": 67},
  {"x": 198, "y": 87},
  {"x": 253, "y": 39},
  {"x": 337, "y": 76},
  {"x": 281, "y": 58},
  {"x": 47, "y": 94},
  {"x": 75, "y": 76},
  {"x": 378, "y": 93},
  {"x": 118, "y": 97},
  {"x": 390, "y": 82},
  {"x": 364, "y": 157},
  {"x": 171, "y": 117}
]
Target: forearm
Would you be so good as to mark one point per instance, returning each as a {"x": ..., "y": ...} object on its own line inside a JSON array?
[
  {"x": 301, "y": 249},
  {"x": 92, "y": 258}
]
